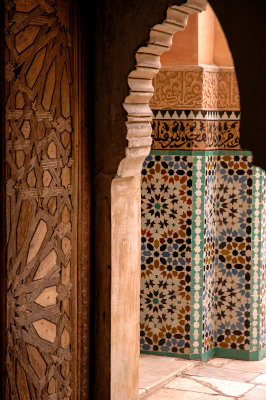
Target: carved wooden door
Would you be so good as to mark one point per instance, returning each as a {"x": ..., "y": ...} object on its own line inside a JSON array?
[{"x": 41, "y": 225}]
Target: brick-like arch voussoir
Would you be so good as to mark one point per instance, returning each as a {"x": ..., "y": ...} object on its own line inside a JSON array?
[{"x": 141, "y": 89}]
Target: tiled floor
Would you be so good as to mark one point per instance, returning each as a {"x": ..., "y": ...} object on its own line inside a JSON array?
[{"x": 167, "y": 378}]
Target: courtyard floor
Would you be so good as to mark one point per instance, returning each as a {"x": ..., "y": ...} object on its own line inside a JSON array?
[{"x": 169, "y": 378}]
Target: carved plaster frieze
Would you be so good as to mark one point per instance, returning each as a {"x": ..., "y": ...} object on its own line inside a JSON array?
[{"x": 196, "y": 88}]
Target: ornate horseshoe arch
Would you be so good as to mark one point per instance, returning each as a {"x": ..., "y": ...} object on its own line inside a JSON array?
[
  {"x": 126, "y": 196},
  {"x": 140, "y": 82}
]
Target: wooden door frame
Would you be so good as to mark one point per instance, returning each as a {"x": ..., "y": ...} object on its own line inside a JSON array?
[
  {"x": 2, "y": 211},
  {"x": 81, "y": 173},
  {"x": 82, "y": 155}
]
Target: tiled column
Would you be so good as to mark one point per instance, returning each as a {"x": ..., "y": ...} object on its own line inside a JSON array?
[{"x": 203, "y": 252}]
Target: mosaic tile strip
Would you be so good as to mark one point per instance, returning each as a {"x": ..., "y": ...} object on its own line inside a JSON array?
[
  {"x": 209, "y": 261},
  {"x": 166, "y": 253},
  {"x": 195, "y": 134},
  {"x": 197, "y": 254},
  {"x": 263, "y": 267},
  {"x": 256, "y": 260}
]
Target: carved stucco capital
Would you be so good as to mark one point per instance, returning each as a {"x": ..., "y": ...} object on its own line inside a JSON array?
[{"x": 139, "y": 114}]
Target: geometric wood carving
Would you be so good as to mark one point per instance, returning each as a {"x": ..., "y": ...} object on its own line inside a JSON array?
[
  {"x": 45, "y": 329},
  {"x": 37, "y": 362},
  {"x": 37, "y": 240},
  {"x": 22, "y": 384},
  {"x": 39, "y": 200},
  {"x": 48, "y": 263},
  {"x": 47, "y": 297}
]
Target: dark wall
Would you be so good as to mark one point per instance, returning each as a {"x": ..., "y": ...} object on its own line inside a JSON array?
[{"x": 243, "y": 22}]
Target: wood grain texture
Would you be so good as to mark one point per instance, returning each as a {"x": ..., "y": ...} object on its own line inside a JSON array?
[{"x": 39, "y": 323}]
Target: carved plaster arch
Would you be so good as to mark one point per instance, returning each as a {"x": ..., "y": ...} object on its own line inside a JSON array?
[{"x": 141, "y": 89}]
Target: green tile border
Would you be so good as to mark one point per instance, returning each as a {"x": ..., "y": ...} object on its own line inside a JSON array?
[
  {"x": 197, "y": 252},
  {"x": 166, "y": 354},
  {"x": 262, "y": 353},
  {"x": 244, "y": 355},
  {"x": 234, "y": 354},
  {"x": 208, "y": 355},
  {"x": 255, "y": 260}
]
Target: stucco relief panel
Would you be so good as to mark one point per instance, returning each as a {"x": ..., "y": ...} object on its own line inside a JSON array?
[{"x": 196, "y": 89}]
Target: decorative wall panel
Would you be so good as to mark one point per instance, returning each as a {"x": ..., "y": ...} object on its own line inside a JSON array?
[
  {"x": 233, "y": 243},
  {"x": 39, "y": 200},
  {"x": 166, "y": 253}
]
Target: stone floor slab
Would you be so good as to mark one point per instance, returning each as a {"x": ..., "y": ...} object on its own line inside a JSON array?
[
  {"x": 155, "y": 370},
  {"x": 226, "y": 387},
  {"x": 218, "y": 379},
  {"x": 142, "y": 392},
  {"x": 258, "y": 393},
  {"x": 255, "y": 366},
  {"x": 172, "y": 394},
  {"x": 182, "y": 383},
  {"x": 219, "y": 362},
  {"x": 260, "y": 380},
  {"x": 223, "y": 373}
]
